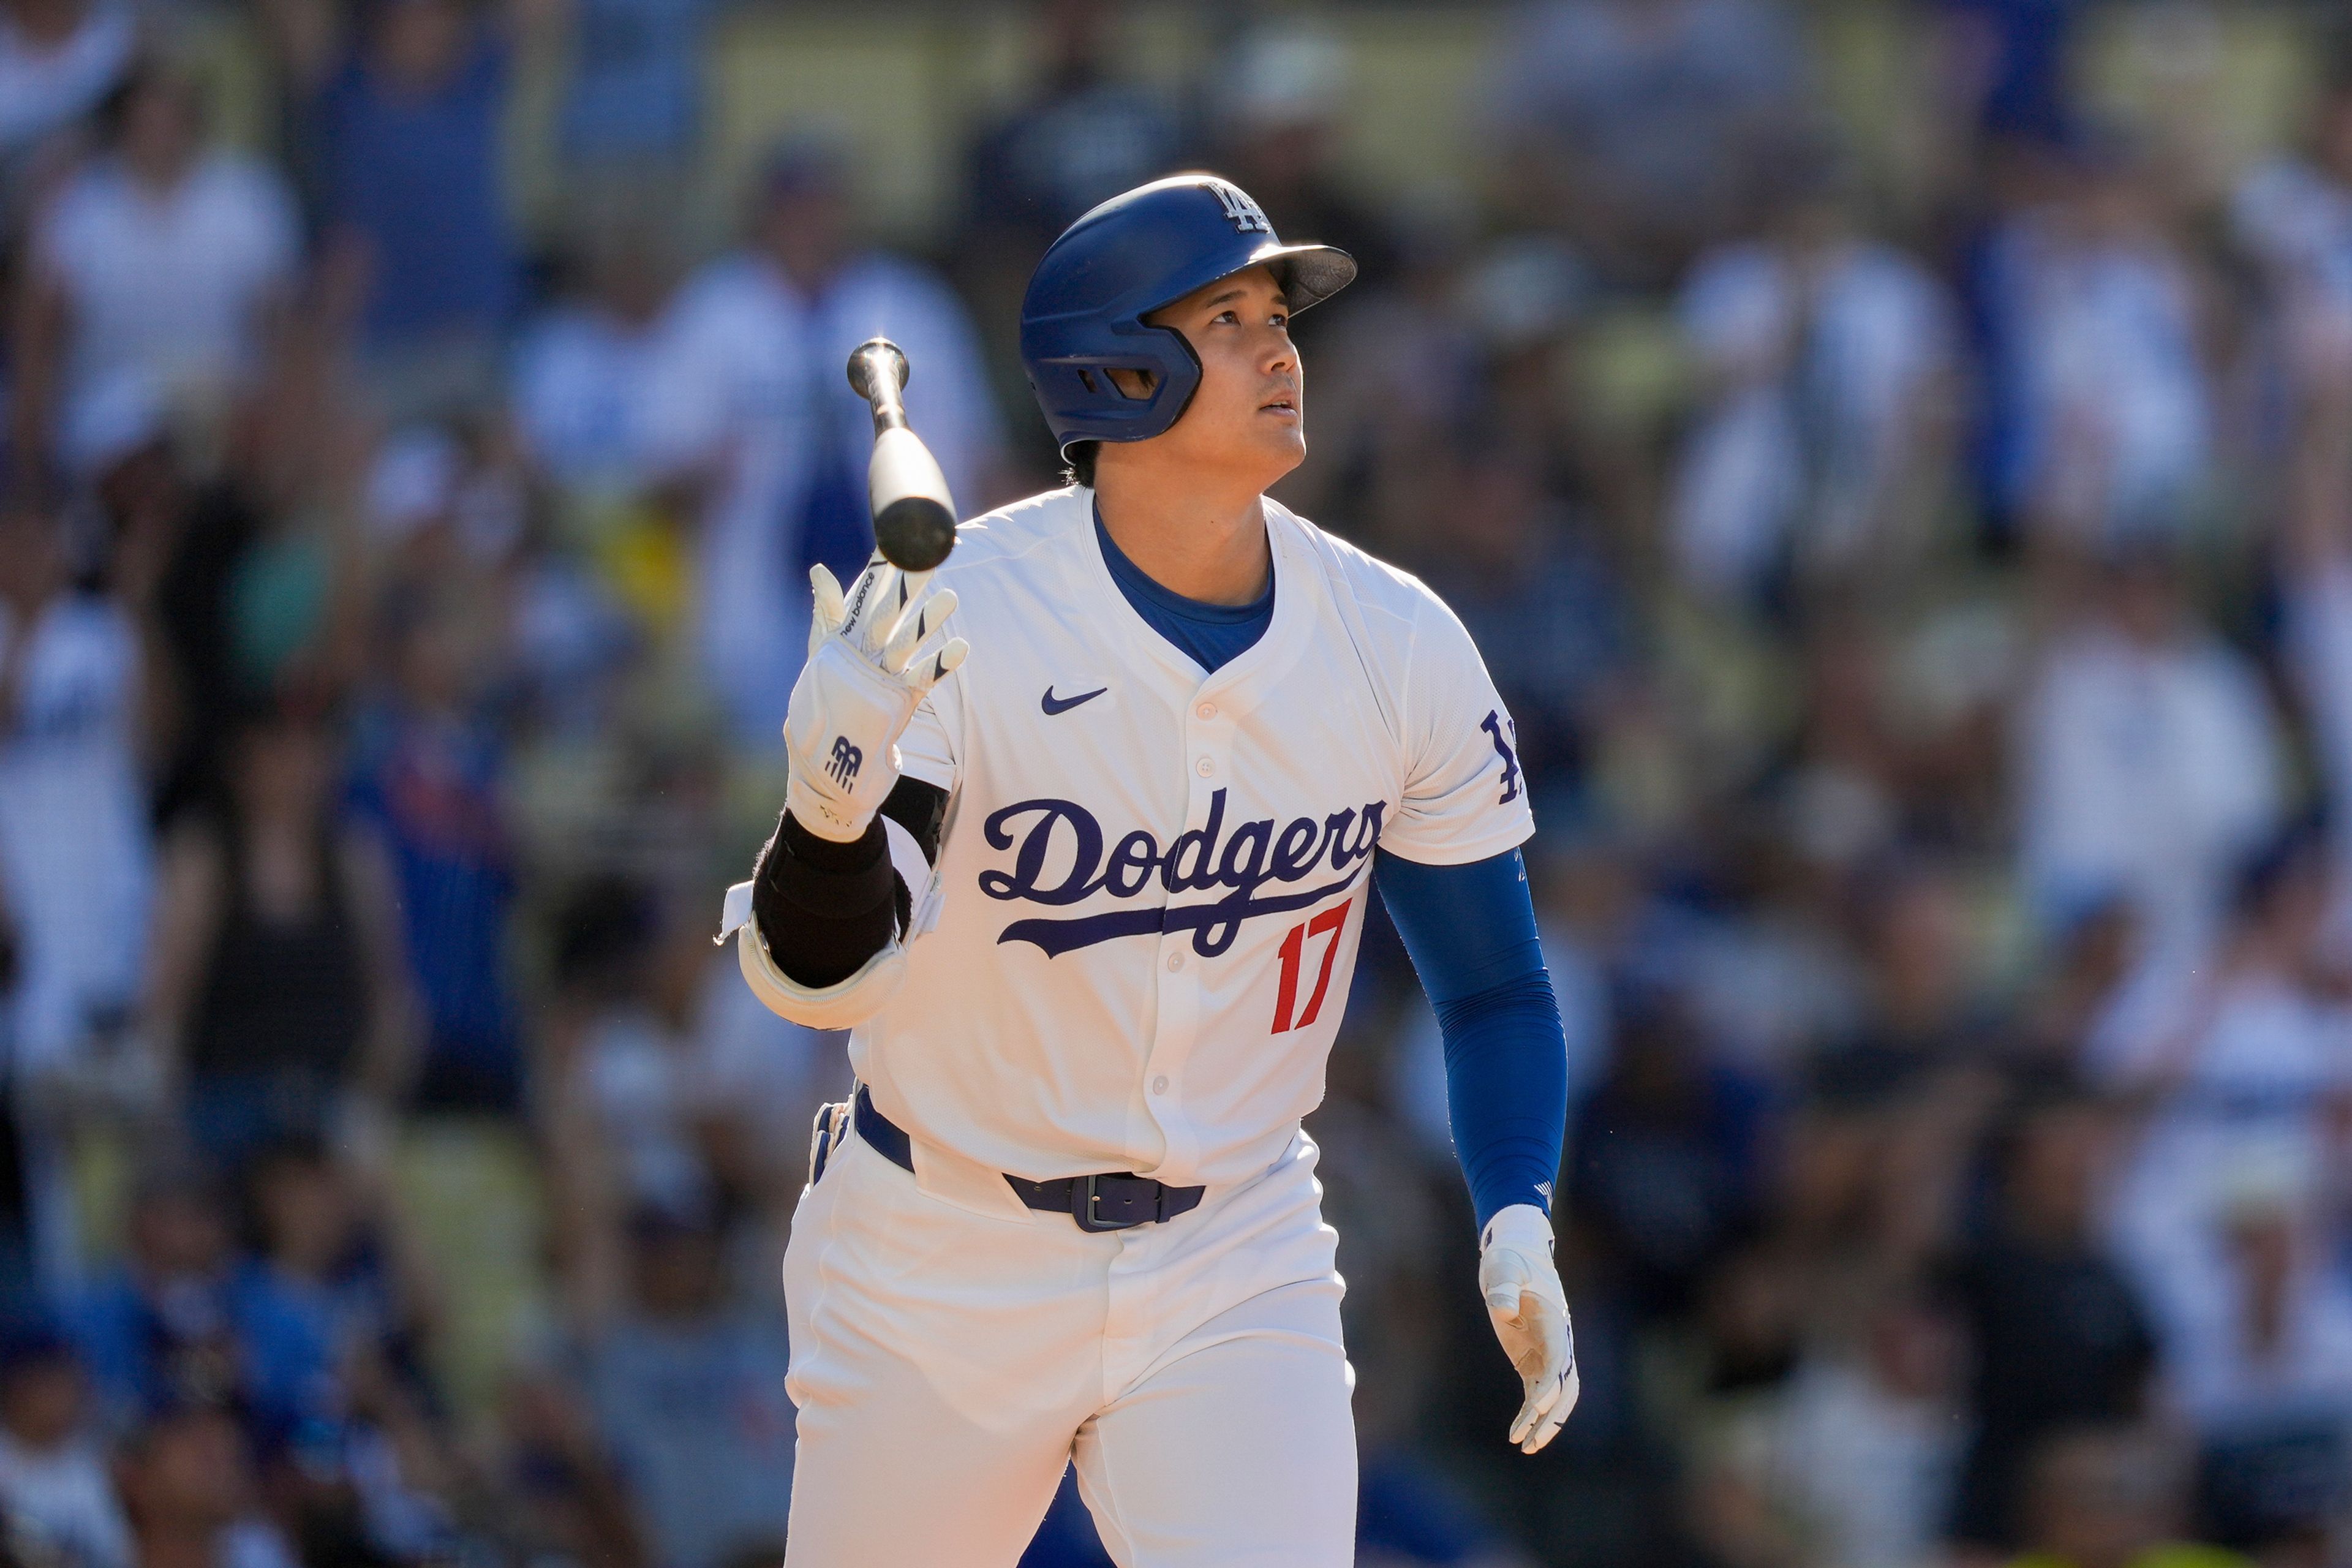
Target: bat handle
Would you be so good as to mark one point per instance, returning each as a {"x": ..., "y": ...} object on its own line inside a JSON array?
[
  {"x": 914, "y": 516},
  {"x": 878, "y": 372}
]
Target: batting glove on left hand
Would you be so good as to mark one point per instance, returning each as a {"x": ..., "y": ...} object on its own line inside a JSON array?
[
  {"x": 1530, "y": 1315},
  {"x": 872, "y": 658}
]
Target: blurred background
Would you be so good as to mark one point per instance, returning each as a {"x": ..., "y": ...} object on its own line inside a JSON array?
[{"x": 1896, "y": 457}]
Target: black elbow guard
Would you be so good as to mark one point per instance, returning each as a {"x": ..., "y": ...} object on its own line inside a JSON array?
[{"x": 824, "y": 908}]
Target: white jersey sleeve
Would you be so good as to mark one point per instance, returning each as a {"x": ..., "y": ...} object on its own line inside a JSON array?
[{"x": 1464, "y": 797}]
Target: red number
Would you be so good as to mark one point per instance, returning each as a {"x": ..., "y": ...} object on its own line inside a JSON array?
[
  {"x": 1293, "y": 946},
  {"x": 1293, "y": 952},
  {"x": 1329, "y": 920}
]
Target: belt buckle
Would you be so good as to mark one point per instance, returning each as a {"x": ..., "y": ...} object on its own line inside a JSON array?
[{"x": 1082, "y": 1208}]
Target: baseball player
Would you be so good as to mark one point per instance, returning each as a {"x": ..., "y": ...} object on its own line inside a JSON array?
[{"x": 1089, "y": 899}]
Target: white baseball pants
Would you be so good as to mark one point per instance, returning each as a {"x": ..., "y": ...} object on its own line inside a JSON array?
[{"x": 953, "y": 1351}]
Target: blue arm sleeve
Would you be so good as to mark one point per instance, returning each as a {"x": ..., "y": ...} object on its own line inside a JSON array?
[{"x": 1471, "y": 930}]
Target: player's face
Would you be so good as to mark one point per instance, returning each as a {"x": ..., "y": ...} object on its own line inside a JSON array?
[{"x": 1250, "y": 411}]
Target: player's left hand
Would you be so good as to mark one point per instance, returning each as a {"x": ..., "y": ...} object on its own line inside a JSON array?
[{"x": 1531, "y": 1314}]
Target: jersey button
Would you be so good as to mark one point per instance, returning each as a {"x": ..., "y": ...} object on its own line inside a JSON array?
[
  {"x": 1160, "y": 1085},
  {"x": 1175, "y": 961},
  {"x": 1204, "y": 767},
  {"x": 1206, "y": 710}
]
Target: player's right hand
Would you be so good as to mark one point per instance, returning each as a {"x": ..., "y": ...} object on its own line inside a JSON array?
[
  {"x": 872, "y": 656},
  {"x": 1529, "y": 1310}
]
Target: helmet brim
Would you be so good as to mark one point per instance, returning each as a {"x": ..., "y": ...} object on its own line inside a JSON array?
[{"x": 1310, "y": 274}]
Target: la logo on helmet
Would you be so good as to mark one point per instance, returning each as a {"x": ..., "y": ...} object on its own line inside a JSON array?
[{"x": 1247, "y": 214}]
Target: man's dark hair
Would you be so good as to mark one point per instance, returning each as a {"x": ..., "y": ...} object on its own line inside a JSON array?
[{"x": 1080, "y": 469}]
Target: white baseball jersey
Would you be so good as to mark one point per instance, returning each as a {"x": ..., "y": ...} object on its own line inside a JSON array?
[{"x": 1136, "y": 945}]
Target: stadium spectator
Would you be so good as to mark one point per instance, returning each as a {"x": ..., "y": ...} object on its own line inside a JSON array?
[
  {"x": 1871, "y": 1444},
  {"x": 634, "y": 102},
  {"x": 259, "y": 598},
  {"x": 404, "y": 124},
  {"x": 663, "y": 1094},
  {"x": 1085, "y": 126},
  {"x": 77, "y": 878},
  {"x": 279, "y": 990},
  {"x": 624, "y": 1033},
  {"x": 328, "y": 1255},
  {"x": 747, "y": 395},
  {"x": 2147, "y": 758},
  {"x": 429, "y": 774},
  {"x": 1829, "y": 365},
  {"x": 163, "y": 260},
  {"x": 1668, "y": 1150},
  {"x": 1850, "y": 1463},
  {"x": 752, "y": 1072},
  {"x": 76, "y": 869},
  {"x": 2059, "y": 1334},
  {"x": 565, "y": 1502},
  {"x": 188, "y": 1484},
  {"x": 2011, "y": 61},
  {"x": 1084, "y": 134},
  {"x": 2094, "y": 956},
  {"x": 1928, "y": 1012},
  {"x": 2267, "y": 1378},
  {"x": 178, "y": 1323},
  {"x": 2105, "y": 402},
  {"x": 1394, "y": 374},
  {"x": 581, "y": 368},
  {"x": 2242, "y": 1069},
  {"x": 2313, "y": 565},
  {"x": 1642, "y": 126},
  {"x": 362, "y": 1468},
  {"x": 689, "y": 1392},
  {"x": 54, "y": 1479},
  {"x": 59, "y": 59},
  {"x": 2292, "y": 218},
  {"x": 1841, "y": 796},
  {"x": 1520, "y": 565}
]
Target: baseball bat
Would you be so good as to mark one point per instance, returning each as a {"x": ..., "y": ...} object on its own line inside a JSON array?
[{"x": 913, "y": 516}]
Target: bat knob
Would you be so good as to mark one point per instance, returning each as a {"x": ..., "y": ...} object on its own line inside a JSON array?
[
  {"x": 914, "y": 518},
  {"x": 915, "y": 534},
  {"x": 872, "y": 355}
]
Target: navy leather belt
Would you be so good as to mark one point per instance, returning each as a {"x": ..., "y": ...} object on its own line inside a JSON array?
[{"x": 1115, "y": 1200}]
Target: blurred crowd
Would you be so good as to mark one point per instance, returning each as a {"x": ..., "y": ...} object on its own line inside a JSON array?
[{"x": 1925, "y": 604}]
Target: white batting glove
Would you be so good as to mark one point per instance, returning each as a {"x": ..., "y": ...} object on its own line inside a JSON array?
[
  {"x": 871, "y": 659},
  {"x": 1531, "y": 1313}
]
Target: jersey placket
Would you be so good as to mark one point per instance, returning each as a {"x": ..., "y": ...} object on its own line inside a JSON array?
[{"x": 1208, "y": 763}]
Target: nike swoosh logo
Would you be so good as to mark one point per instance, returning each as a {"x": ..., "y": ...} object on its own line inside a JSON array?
[{"x": 1053, "y": 704}]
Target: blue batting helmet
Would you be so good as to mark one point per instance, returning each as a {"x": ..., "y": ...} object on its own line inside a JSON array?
[{"x": 1084, "y": 313}]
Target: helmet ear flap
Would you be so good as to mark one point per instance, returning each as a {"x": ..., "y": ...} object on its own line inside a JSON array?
[
  {"x": 1178, "y": 376},
  {"x": 1084, "y": 385}
]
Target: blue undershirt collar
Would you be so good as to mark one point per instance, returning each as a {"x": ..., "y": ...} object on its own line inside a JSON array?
[{"x": 1212, "y": 635}]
